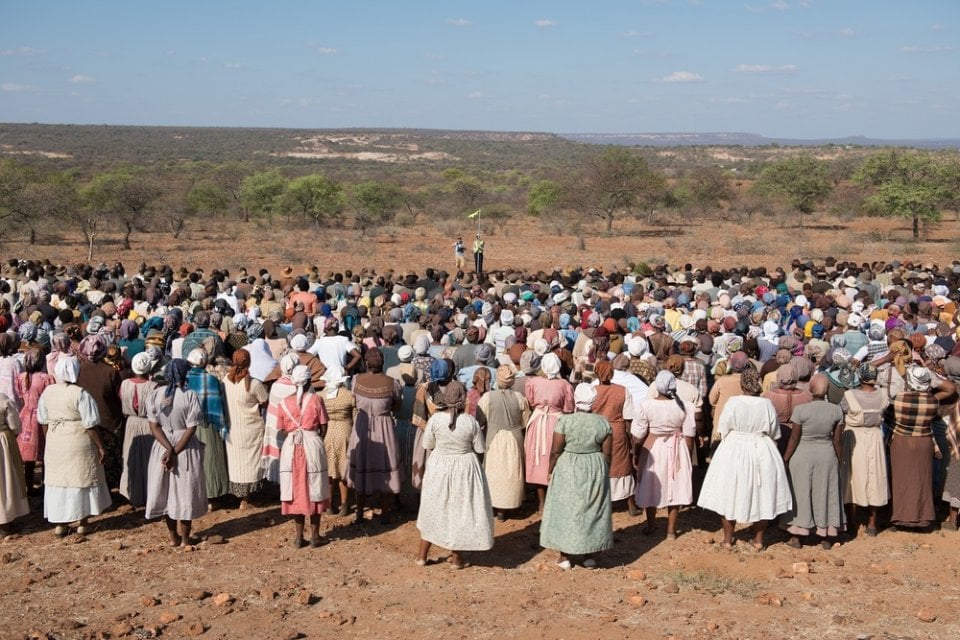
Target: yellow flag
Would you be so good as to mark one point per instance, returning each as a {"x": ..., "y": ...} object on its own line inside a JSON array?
[{"x": 474, "y": 214}]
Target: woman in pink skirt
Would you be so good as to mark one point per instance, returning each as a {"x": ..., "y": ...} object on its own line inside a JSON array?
[{"x": 304, "y": 485}]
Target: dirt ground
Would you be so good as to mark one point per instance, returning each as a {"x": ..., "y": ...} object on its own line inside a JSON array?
[{"x": 122, "y": 581}]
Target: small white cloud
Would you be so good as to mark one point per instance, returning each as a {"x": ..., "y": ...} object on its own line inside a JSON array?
[
  {"x": 938, "y": 27},
  {"x": 13, "y": 87},
  {"x": 545, "y": 23},
  {"x": 785, "y": 69},
  {"x": 458, "y": 22},
  {"x": 81, "y": 79},
  {"x": 847, "y": 32},
  {"x": 681, "y": 76},
  {"x": 915, "y": 49},
  {"x": 476, "y": 95},
  {"x": 22, "y": 51}
]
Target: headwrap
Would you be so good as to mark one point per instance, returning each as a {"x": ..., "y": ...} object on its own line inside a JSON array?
[
  {"x": 918, "y": 378},
  {"x": 550, "y": 364},
  {"x": 197, "y": 357},
  {"x": 604, "y": 371},
  {"x": 439, "y": 371},
  {"x": 176, "y": 374},
  {"x": 240, "y": 369},
  {"x": 300, "y": 376},
  {"x": 373, "y": 358},
  {"x": 505, "y": 377},
  {"x": 93, "y": 348},
  {"x": 141, "y": 363},
  {"x": 750, "y": 381},
  {"x": 666, "y": 383},
  {"x": 66, "y": 370},
  {"x": 584, "y": 396}
]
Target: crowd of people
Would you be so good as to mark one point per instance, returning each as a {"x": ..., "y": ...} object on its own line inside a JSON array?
[{"x": 819, "y": 399}]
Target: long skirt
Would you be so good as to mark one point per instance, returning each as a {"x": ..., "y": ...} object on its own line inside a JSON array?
[
  {"x": 137, "y": 445},
  {"x": 911, "y": 471},
  {"x": 503, "y": 464}
]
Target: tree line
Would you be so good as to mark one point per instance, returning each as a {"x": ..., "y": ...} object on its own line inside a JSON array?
[{"x": 614, "y": 183}]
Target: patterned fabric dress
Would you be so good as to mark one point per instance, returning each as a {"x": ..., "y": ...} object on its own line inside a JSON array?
[
  {"x": 31, "y": 437},
  {"x": 137, "y": 439},
  {"x": 340, "y": 411},
  {"x": 373, "y": 455},
  {"x": 550, "y": 399},
  {"x": 244, "y": 441},
  {"x": 578, "y": 514}
]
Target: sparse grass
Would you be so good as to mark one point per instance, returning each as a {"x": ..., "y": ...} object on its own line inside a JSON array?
[{"x": 713, "y": 583}]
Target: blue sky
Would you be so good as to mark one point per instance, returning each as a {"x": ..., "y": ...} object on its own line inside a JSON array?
[{"x": 784, "y": 68}]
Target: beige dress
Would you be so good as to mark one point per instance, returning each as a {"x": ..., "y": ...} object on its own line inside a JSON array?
[{"x": 13, "y": 487}]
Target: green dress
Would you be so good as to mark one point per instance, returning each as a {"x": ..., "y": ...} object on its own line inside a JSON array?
[{"x": 577, "y": 515}]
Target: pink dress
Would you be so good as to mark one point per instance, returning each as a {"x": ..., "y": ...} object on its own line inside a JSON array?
[
  {"x": 666, "y": 471},
  {"x": 550, "y": 399},
  {"x": 31, "y": 438},
  {"x": 304, "y": 481}
]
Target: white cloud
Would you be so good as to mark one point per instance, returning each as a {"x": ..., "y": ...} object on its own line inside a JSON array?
[
  {"x": 681, "y": 76},
  {"x": 22, "y": 51},
  {"x": 81, "y": 79},
  {"x": 477, "y": 95},
  {"x": 847, "y": 32},
  {"x": 458, "y": 22},
  {"x": 938, "y": 27},
  {"x": 915, "y": 49},
  {"x": 786, "y": 69},
  {"x": 13, "y": 87},
  {"x": 545, "y": 23}
]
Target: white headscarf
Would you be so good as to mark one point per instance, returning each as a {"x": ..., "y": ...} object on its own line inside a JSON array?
[
  {"x": 550, "y": 365},
  {"x": 67, "y": 369}
]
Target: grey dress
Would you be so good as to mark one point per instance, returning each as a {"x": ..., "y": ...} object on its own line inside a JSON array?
[
  {"x": 815, "y": 472},
  {"x": 180, "y": 494}
]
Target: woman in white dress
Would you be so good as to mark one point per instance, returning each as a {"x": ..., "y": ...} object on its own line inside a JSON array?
[
  {"x": 746, "y": 480},
  {"x": 455, "y": 511},
  {"x": 245, "y": 397},
  {"x": 75, "y": 485}
]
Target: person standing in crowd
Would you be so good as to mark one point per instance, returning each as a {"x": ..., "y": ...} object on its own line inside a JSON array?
[
  {"x": 665, "y": 429},
  {"x": 75, "y": 485},
  {"x": 578, "y": 514},
  {"x": 812, "y": 457},
  {"x": 455, "y": 509},
  {"x": 176, "y": 489},
  {"x": 245, "y": 397},
  {"x": 503, "y": 414},
  {"x": 550, "y": 397},
  {"x": 373, "y": 455},
  {"x": 304, "y": 485},
  {"x": 746, "y": 480}
]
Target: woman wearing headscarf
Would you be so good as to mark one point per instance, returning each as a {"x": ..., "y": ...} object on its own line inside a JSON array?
[
  {"x": 137, "y": 435},
  {"x": 102, "y": 382},
  {"x": 245, "y": 397},
  {"x": 75, "y": 486},
  {"x": 616, "y": 405},
  {"x": 340, "y": 405},
  {"x": 13, "y": 485},
  {"x": 176, "y": 488},
  {"x": 864, "y": 461},
  {"x": 30, "y": 386},
  {"x": 665, "y": 428},
  {"x": 812, "y": 457},
  {"x": 304, "y": 486},
  {"x": 577, "y": 516},
  {"x": 549, "y": 397},
  {"x": 912, "y": 447},
  {"x": 372, "y": 451},
  {"x": 455, "y": 510},
  {"x": 273, "y": 439},
  {"x": 213, "y": 426},
  {"x": 746, "y": 480},
  {"x": 481, "y": 384},
  {"x": 503, "y": 413}
]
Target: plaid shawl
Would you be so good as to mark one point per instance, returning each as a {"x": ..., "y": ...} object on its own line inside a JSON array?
[{"x": 210, "y": 391}]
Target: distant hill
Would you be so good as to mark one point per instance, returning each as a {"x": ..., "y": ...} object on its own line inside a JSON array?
[{"x": 747, "y": 140}]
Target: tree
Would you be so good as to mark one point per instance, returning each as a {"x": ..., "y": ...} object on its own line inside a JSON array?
[
  {"x": 802, "y": 180},
  {"x": 315, "y": 197},
  {"x": 904, "y": 183},
  {"x": 376, "y": 202},
  {"x": 709, "y": 187},
  {"x": 261, "y": 192},
  {"x": 616, "y": 181},
  {"x": 125, "y": 194},
  {"x": 543, "y": 196}
]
